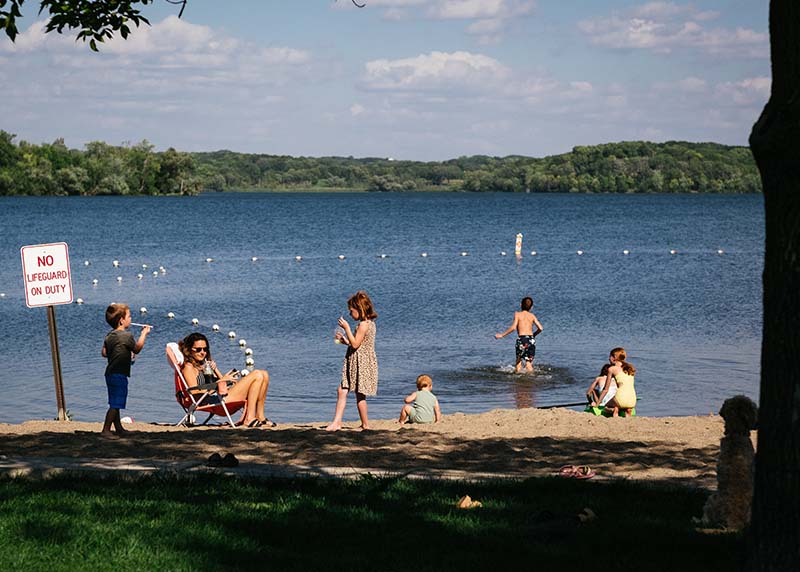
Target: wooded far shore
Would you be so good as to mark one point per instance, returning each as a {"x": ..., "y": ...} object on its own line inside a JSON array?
[{"x": 137, "y": 169}]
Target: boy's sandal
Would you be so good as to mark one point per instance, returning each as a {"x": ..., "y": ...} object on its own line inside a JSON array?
[
  {"x": 229, "y": 460},
  {"x": 267, "y": 423},
  {"x": 215, "y": 460}
]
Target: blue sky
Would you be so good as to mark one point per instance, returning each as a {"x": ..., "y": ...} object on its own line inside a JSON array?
[{"x": 409, "y": 79}]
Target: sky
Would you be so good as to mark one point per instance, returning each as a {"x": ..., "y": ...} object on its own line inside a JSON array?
[{"x": 409, "y": 79}]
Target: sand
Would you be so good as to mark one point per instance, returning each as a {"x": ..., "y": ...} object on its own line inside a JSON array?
[{"x": 520, "y": 443}]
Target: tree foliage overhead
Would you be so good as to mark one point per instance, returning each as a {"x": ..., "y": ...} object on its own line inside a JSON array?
[
  {"x": 95, "y": 20},
  {"x": 628, "y": 167}
]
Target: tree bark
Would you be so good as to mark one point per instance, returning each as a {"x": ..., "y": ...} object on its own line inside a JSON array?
[{"x": 774, "y": 535}]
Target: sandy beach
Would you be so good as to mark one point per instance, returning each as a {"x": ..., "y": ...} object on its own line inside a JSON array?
[{"x": 523, "y": 443}]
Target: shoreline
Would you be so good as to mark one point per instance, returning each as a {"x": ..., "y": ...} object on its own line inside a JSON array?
[{"x": 504, "y": 442}]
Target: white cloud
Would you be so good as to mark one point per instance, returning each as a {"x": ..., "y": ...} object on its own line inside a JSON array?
[
  {"x": 491, "y": 18},
  {"x": 749, "y": 91},
  {"x": 435, "y": 72},
  {"x": 664, "y": 27}
]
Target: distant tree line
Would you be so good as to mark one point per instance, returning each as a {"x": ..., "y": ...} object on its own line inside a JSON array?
[
  {"x": 101, "y": 169},
  {"x": 627, "y": 167}
]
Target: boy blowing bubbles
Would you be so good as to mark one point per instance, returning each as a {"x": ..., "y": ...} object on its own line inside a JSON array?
[{"x": 118, "y": 347}]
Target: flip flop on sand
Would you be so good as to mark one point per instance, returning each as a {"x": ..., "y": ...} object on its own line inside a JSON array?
[
  {"x": 567, "y": 471},
  {"x": 576, "y": 472}
]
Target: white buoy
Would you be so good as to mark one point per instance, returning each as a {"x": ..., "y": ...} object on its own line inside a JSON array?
[
  {"x": 127, "y": 420},
  {"x": 195, "y": 321},
  {"x": 720, "y": 251},
  {"x": 2, "y": 294},
  {"x": 209, "y": 259},
  {"x": 144, "y": 266},
  {"x": 341, "y": 257},
  {"x": 142, "y": 310},
  {"x": 249, "y": 362},
  {"x": 245, "y": 372},
  {"x": 242, "y": 343},
  {"x": 424, "y": 255},
  {"x": 119, "y": 278},
  {"x": 170, "y": 315},
  {"x": 94, "y": 281},
  {"x": 215, "y": 327},
  {"x": 115, "y": 263},
  {"x": 298, "y": 258},
  {"x": 79, "y": 301},
  {"x": 140, "y": 276},
  {"x": 626, "y": 252},
  {"x": 579, "y": 252},
  {"x": 248, "y": 352},
  {"x": 162, "y": 269},
  {"x": 86, "y": 263},
  {"x": 383, "y": 256},
  {"x": 673, "y": 251},
  {"x": 155, "y": 273},
  {"x": 503, "y": 253},
  {"x": 231, "y": 334},
  {"x": 254, "y": 259},
  {"x": 533, "y": 253},
  {"x": 464, "y": 254}
]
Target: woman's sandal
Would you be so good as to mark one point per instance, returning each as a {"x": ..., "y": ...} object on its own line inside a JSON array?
[
  {"x": 254, "y": 423},
  {"x": 583, "y": 472},
  {"x": 267, "y": 423},
  {"x": 567, "y": 471}
]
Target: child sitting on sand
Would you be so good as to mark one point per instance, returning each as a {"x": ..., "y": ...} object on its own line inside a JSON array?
[
  {"x": 422, "y": 406},
  {"x": 597, "y": 386}
]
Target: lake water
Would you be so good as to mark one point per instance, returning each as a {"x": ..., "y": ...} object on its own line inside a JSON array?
[{"x": 691, "y": 321}]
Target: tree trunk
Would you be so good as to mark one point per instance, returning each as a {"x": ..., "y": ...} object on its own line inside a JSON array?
[{"x": 774, "y": 536}]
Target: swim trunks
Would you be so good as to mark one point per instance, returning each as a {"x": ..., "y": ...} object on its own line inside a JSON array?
[
  {"x": 117, "y": 385},
  {"x": 526, "y": 348}
]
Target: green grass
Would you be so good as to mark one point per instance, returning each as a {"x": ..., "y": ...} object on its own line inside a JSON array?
[{"x": 215, "y": 522}]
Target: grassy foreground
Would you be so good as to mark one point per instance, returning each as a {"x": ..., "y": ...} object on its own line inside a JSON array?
[{"x": 213, "y": 522}]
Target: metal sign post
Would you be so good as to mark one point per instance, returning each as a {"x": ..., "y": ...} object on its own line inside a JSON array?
[{"x": 45, "y": 268}]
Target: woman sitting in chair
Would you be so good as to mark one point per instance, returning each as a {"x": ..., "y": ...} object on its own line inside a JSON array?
[{"x": 251, "y": 389}]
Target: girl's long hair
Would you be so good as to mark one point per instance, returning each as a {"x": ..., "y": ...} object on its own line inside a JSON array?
[
  {"x": 620, "y": 355},
  {"x": 186, "y": 344},
  {"x": 361, "y": 303}
]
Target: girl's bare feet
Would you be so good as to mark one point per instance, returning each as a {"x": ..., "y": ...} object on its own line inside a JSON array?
[{"x": 333, "y": 427}]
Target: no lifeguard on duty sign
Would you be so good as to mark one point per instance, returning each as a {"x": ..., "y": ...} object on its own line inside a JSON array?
[{"x": 45, "y": 268}]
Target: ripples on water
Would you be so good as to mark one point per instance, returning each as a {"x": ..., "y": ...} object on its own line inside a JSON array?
[{"x": 691, "y": 321}]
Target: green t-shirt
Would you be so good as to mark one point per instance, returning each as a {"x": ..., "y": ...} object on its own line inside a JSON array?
[
  {"x": 423, "y": 407},
  {"x": 119, "y": 345}
]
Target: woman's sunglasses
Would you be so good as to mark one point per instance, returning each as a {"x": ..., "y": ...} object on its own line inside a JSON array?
[{"x": 196, "y": 350}]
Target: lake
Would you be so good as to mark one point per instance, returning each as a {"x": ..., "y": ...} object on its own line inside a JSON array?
[{"x": 690, "y": 320}]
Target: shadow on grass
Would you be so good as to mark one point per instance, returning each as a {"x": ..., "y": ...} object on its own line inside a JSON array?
[{"x": 212, "y": 522}]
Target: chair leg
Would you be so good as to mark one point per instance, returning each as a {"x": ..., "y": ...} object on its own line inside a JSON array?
[
  {"x": 228, "y": 415},
  {"x": 210, "y": 415}
]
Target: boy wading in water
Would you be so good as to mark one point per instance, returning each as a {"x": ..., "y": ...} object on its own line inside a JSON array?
[{"x": 524, "y": 321}]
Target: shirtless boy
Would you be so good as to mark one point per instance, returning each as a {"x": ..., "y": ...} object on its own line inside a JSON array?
[{"x": 526, "y": 336}]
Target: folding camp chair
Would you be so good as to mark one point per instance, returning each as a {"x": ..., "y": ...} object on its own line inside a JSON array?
[{"x": 203, "y": 398}]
